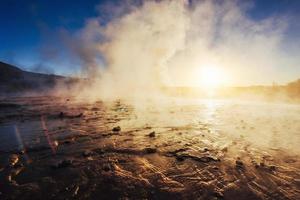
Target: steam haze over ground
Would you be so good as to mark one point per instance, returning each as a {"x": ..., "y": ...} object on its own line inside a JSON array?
[
  {"x": 167, "y": 43},
  {"x": 173, "y": 99}
]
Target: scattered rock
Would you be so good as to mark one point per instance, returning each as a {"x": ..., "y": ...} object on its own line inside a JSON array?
[
  {"x": 106, "y": 167},
  {"x": 149, "y": 150},
  {"x": 95, "y": 109},
  {"x": 99, "y": 151},
  {"x": 10, "y": 180},
  {"x": 38, "y": 148},
  {"x": 63, "y": 164},
  {"x": 272, "y": 167},
  {"x": 21, "y": 152},
  {"x": 77, "y": 116},
  {"x": 206, "y": 158},
  {"x": 76, "y": 191},
  {"x": 290, "y": 160},
  {"x": 225, "y": 149},
  {"x": 87, "y": 153},
  {"x": 68, "y": 141},
  {"x": 55, "y": 143},
  {"x": 179, "y": 158},
  {"x": 239, "y": 164},
  {"x": 84, "y": 139},
  {"x": 218, "y": 194},
  {"x": 116, "y": 129},
  {"x": 262, "y": 164},
  {"x": 63, "y": 115},
  {"x": 152, "y": 134},
  {"x": 13, "y": 160}
]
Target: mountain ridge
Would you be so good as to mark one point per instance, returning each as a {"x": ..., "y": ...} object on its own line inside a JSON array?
[{"x": 15, "y": 80}]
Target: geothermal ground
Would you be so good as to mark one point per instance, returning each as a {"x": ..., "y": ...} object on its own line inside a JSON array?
[{"x": 59, "y": 148}]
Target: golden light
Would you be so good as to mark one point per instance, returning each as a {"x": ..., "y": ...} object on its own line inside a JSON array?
[{"x": 211, "y": 77}]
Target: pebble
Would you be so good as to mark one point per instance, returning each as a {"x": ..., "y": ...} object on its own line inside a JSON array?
[
  {"x": 55, "y": 143},
  {"x": 179, "y": 158},
  {"x": 239, "y": 164},
  {"x": 63, "y": 164},
  {"x": 272, "y": 167},
  {"x": 152, "y": 134},
  {"x": 13, "y": 160},
  {"x": 99, "y": 151},
  {"x": 150, "y": 150},
  {"x": 106, "y": 167},
  {"x": 116, "y": 129},
  {"x": 76, "y": 191},
  {"x": 87, "y": 153}
]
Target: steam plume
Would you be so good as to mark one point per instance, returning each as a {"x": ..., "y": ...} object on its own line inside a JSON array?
[{"x": 158, "y": 43}]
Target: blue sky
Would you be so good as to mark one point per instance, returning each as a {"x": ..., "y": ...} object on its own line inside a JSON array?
[{"x": 27, "y": 26}]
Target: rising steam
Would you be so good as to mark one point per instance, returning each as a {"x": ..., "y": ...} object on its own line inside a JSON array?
[{"x": 153, "y": 44}]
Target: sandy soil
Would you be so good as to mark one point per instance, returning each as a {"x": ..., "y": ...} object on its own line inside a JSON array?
[{"x": 54, "y": 148}]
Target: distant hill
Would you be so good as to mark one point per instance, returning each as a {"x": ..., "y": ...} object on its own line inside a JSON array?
[{"x": 15, "y": 80}]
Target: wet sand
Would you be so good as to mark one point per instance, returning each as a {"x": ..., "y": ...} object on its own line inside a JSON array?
[{"x": 58, "y": 148}]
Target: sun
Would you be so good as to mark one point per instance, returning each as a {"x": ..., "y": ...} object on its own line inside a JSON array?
[{"x": 211, "y": 77}]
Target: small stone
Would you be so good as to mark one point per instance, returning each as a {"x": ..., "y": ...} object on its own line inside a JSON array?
[
  {"x": 207, "y": 159},
  {"x": 79, "y": 115},
  {"x": 68, "y": 141},
  {"x": 87, "y": 153},
  {"x": 152, "y": 134},
  {"x": 99, "y": 151},
  {"x": 272, "y": 167},
  {"x": 150, "y": 150},
  {"x": 218, "y": 194},
  {"x": 106, "y": 167},
  {"x": 55, "y": 143},
  {"x": 205, "y": 149},
  {"x": 179, "y": 158},
  {"x": 116, "y": 129},
  {"x": 9, "y": 178},
  {"x": 63, "y": 164},
  {"x": 225, "y": 149},
  {"x": 84, "y": 139},
  {"x": 239, "y": 164},
  {"x": 61, "y": 115},
  {"x": 95, "y": 109},
  {"x": 22, "y": 152},
  {"x": 76, "y": 191},
  {"x": 13, "y": 160}
]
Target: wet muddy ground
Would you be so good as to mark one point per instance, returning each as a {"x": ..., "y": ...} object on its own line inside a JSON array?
[{"x": 58, "y": 148}]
